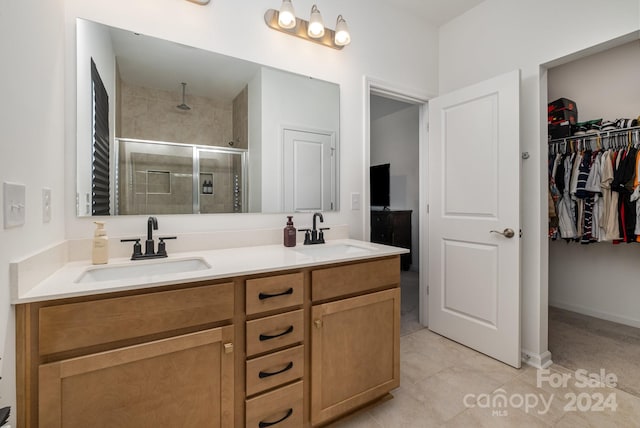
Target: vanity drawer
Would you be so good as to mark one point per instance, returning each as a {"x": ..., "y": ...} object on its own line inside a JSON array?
[
  {"x": 274, "y": 369},
  {"x": 284, "y": 404},
  {"x": 266, "y": 334},
  {"x": 354, "y": 278},
  {"x": 274, "y": 292},
  {"x": 79, "y": 325}
]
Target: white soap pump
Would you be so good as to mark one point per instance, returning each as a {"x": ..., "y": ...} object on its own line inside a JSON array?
[{"x": 100, "y": 247}]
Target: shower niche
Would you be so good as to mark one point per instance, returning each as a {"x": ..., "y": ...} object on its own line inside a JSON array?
[{"x": 154, "y": 177}]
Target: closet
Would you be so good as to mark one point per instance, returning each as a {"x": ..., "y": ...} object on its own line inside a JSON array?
[{"x": 593, "y": 275}]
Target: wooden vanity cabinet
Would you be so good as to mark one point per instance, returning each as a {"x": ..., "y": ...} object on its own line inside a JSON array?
[
  {"x": 275, "y": 339},
  {"x": 285, "y": 349},
  {"x": 161, "y": 357},
  {"x": 185, "y": 380},
  {"x": 355, "y": 341}
]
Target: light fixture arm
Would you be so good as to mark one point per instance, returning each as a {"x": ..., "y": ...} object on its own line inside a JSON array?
[{"x": 300, "y": 30}]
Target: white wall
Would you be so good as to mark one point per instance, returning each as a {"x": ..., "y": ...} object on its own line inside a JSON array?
[
  {"x": 598, "y": 279},
  {"x": 297, "y": 102},
  {"x": 238, "y": 29},
  {"x": 32, "y": 145},
  {"x": 94, "y": 43},
  {"x": 498, "y": 36},
  {"x": 603, "y": 85},
  {"x": 395, "y": 140}
]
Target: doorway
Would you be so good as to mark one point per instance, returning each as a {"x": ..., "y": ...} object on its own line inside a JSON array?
[
  {"x": 394, "y": 127},
  {"x": 593, "y": 323}
]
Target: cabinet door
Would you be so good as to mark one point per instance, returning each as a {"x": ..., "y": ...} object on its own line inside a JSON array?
[
  {"x": 355, "y": 352},
  {"x": 182, "y": 381}
]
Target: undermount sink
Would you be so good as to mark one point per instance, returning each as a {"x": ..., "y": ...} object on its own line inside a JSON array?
[
  {"x": 327, "y": 250},
  {"x": 140, "y": 269}
]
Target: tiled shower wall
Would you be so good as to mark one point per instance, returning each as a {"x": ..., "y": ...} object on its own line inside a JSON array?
[{"x": 151, "y": 114}]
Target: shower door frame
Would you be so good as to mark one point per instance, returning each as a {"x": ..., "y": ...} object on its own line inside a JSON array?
[{"x": 196, "y": 148}]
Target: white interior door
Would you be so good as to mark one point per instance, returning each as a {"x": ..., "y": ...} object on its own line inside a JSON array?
[
  {"x": 308, "y": 170},
  {"x": 474, "y": 217}
]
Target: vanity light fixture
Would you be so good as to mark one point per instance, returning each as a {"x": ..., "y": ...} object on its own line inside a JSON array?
[
  {"x": 316, "y": 24},
  {"x": 313, "y": 30},
  {"x": 343, "y": 37},
  {"x": 287, "y": 16}
]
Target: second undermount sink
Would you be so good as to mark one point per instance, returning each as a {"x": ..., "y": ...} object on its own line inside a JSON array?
[
  {"x": 142, "y": 269},
  {"x": 337, "y": 250}
]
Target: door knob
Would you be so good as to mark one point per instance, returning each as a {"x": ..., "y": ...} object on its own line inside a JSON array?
[{"x": 507, "y": 233}]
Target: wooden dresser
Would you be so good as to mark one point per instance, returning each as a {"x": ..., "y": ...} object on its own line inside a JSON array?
[{"x": 393, "y": 228}]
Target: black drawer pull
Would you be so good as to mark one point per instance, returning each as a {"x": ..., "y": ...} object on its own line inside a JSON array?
[
  {"x": 263, "y": 296},
  {"x": 262, "y": 374},
  {"x": 264, "y": 337},
  {"x": 268, "y": 424}
]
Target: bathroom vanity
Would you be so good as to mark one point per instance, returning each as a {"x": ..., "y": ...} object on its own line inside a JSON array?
[{"x": 301, "y": 344}]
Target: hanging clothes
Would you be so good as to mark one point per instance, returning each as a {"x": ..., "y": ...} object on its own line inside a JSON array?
[
  {"x": 623, "y": 184},
  {"x": 566, "y": 205},
  {"x": 635, "y": 196},
  {"x": 594, "y": 193}
]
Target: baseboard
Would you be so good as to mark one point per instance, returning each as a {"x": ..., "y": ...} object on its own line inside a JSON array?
[
  {"x": 593, "y": 313},
  {"x": 539, "y": 361}
]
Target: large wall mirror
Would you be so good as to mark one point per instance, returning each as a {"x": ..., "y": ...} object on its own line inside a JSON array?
[{"x": 164, "y": 128}]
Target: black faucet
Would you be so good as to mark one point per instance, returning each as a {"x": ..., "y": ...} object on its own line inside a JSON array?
[
  {"x": 149, "y": 247},
  {"x": 314, "y": 236}
]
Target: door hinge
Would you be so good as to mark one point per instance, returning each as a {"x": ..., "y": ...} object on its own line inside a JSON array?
[
  {"x": 427, "y": 208},
  {"x": 520, "y": 233},
  {"x": 427, "y": 290}
]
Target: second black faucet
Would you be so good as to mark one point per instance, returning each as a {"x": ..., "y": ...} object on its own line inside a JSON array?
[{"x": 314, "y": 236}]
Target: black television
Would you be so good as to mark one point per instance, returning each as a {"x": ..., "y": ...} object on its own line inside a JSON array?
[{"x": 379, "y": 185}]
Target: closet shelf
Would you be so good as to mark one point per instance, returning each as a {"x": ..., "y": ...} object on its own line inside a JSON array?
[{"x": 595, "y": 135}]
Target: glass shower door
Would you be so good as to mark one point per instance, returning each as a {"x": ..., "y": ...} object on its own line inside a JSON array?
[
  {"x": 154, "y": 178},
  {"x": 221, "y": 184}
]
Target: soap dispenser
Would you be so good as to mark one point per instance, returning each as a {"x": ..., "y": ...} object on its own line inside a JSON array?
[
  {"x": 290, "y": 233},
  {"x": 100, "y": 247}
]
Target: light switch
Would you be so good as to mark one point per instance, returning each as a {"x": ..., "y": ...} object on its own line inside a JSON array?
[
  {"x": 46, "y": 205},
  {"x": 355, "y": 202},
  {"x": 14, "y": 204}
]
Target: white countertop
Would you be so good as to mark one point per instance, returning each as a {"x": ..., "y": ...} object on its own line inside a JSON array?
[{"x": 225, "y": 263}]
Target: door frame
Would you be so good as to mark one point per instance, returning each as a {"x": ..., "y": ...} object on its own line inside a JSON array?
[{"x": 373, "y": 86}]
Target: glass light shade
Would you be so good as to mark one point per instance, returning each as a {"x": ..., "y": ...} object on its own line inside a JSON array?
[
  {"x": 316, "y": 25},
  {"x": 287, "y": 16},
  {"x": 343, "y": 37}
]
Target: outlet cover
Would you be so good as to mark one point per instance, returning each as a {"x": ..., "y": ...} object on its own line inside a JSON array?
[
  {"x": 46, "y": 205},
  {"x": 355, "y": 201},
  {"x": 14, "y": 204}
]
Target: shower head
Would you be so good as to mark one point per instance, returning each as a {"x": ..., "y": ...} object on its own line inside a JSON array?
[{"x": 183, "y": 106}]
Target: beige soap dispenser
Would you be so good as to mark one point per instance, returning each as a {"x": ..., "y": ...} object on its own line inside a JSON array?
[{"x": 100, "y": 247}]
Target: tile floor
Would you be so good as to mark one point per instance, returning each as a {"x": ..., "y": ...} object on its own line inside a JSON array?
[
  {"x": 445, "y": 384},
  {"x": 580, "y": 341},
  {"x": 439, "y": 376}
]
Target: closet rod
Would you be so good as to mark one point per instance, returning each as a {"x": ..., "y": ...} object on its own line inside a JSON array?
[{"x": 595, "y": 135}]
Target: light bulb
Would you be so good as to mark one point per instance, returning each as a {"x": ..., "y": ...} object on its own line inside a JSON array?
[
  {"x": 316, "y": 26},
  {"x": 287, "y": 16},
  {"x": 343, "y": 37}
]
